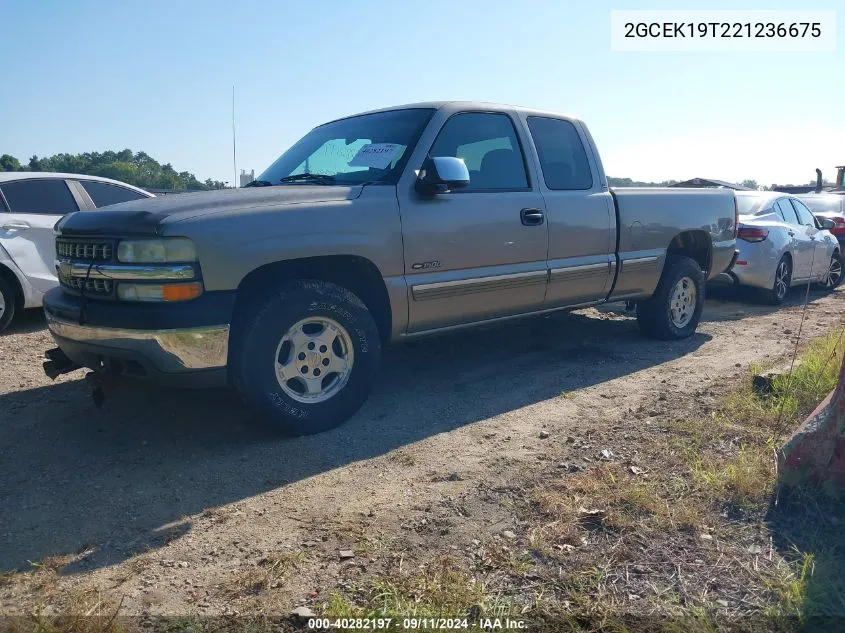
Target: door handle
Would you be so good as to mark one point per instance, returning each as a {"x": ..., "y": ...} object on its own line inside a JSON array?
[
  {"x": 531, "y": 217},
  {"x": 791, "y": 233},
  {"x": 15, "y": 226}
]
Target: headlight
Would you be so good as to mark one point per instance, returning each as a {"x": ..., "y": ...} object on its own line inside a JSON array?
[
  {"x": 159, "y": 292},
  {"x": 162, "y": 251}
]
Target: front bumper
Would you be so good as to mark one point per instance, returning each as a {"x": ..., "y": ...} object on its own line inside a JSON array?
[{"x": 162, "y": 343}]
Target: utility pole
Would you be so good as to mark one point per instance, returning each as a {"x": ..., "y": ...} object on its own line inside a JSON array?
[{"x": 234, "y": 146}]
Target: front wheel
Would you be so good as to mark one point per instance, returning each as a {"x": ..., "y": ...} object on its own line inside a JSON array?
[
  {"x": 833, "y": 276},
  {"x": 674, "y": 310},
  {"x": 307, "y": 357}
]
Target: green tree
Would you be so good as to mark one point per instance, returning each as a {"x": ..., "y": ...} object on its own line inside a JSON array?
[
  {"x": 751, "y": 184},
  {"x": 9, "y": 163},
  {"x": 135, "y": 168}
]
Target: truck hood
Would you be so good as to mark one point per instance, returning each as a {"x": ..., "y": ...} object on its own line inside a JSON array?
[{"x": 145, "y": 217}]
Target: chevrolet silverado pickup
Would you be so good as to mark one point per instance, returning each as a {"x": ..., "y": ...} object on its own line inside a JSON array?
[{"x": 374, "y": 228}]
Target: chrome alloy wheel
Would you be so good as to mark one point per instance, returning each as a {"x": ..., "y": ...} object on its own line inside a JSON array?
[
  {"x": 831, "y": 278},
  {"x": 314, "y": 359},
  {"x": 682, "y": 302},
  {"x": 781, "y": 279},
  {"x": 2, "y": 305}
]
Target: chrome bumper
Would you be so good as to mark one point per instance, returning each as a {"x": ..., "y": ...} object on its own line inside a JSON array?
[{"x": 169, "y": 351}]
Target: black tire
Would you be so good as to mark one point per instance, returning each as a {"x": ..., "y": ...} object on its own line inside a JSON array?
[
  {"x": 654, "y": 315},
  {"x": 783, "y": 273},
  {"x": 835, "y": 274},
  {"x": 8, "y": 304},
  {"x": 261, "y": 336}
]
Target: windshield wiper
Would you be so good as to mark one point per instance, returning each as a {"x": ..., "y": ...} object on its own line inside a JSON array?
[
  {"x": 320, "y": 179},
  {"x": 259, "y": 183}
]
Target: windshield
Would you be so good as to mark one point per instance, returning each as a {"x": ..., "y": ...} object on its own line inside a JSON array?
[{"x": 366, "y": 148}]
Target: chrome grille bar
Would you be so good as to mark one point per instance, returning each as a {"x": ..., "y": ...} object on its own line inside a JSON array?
[{"x": 87, "y": 250}]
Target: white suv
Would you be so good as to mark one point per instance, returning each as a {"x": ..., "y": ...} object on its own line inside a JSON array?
[{"x": 30, "y": 205}]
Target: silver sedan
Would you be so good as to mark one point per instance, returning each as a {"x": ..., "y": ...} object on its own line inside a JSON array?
[{"x": 781, "y": 244}]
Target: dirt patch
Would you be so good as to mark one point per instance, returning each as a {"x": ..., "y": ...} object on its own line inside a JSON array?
[{"x": 430, "y": 477}]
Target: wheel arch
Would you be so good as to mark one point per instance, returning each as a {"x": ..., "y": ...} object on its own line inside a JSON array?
[
  {"x": 11, "y": 278},
  {"x": 355, "y": 273},
  {"x": 696, "y": 244}
]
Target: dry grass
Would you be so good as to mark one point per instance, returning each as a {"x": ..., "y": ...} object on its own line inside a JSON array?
[
  {"x": 83, "y": 611},
  {"x": 267, "y": 573},
  {"x": 611, "y": 498},
  {"x": 711, "y": 476},
  {"x": 443, "y": 587}
]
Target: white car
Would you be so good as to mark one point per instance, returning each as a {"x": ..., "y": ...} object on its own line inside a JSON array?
[
  {"x": 781, "y": 244},
  {"x": 30, "y": 205}
]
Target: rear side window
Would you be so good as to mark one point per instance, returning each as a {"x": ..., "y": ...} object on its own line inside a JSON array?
[
  {"x": 787, "y": 212},
  {"x": 562, "y": 156},
  {"x": 50, "y": 197},
  {"x": 104, "y": 194},
  {"x": 775, "y": 208}
]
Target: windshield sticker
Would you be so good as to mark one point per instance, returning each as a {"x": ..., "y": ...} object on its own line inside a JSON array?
[{"x": 376, "y": 155}]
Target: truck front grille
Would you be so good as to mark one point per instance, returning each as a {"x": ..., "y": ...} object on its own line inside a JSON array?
[
  {"x": 84, "y": 250},
  {"x": 90, "y": 252},
  {"x": 101, "y": 287}
]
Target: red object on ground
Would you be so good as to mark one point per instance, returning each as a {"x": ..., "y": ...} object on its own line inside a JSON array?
[{"x": 816, "y": 451}]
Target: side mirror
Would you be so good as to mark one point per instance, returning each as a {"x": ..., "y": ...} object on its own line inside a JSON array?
[
  {"x": 442, "y": 174},
  {"x": 827, "y": 223}
]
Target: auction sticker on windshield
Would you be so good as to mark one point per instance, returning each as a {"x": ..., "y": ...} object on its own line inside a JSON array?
[{"x": 376, "y": 155}]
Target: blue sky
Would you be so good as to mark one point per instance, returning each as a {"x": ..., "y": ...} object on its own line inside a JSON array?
[{"x": 157, "y": 76}]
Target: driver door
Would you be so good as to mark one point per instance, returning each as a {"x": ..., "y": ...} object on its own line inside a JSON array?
[{"x": 479, "y": 252}]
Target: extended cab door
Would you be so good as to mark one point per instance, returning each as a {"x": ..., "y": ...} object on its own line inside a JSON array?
[
  {"x": 479, "y": 252},
  {"x": 26, "y": 228},
  {"x": 581, "y": 219}
]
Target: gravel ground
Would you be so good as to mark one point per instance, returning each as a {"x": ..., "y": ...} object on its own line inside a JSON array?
[{"x": 166, "y": 498}]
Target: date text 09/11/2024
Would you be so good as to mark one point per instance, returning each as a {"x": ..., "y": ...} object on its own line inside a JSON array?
[{"x": 411, "y": 624}]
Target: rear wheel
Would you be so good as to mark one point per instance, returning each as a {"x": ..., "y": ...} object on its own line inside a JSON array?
[
  {"x": 307, "y": 357},
  {"x": 7, "y": 304},
  {"x": 833, "y": 276},
  {"x": 780, "y": 286},
  {"x": 674, "y": 310}
]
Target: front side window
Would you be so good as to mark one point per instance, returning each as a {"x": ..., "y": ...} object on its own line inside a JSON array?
[
  {"x": 488, "y": 144},
  {"x": 104, "y": 194},
  {"x": 366, "y": 148},
  {"x": 49, "y": 197},
  {"x": 562, "y": 156},
  {"x": 806, "y": 218}
]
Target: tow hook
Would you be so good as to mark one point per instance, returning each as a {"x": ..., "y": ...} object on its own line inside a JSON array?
[
  {"x": 103, "y": 383},
  {"x": 57, "y": 363}
]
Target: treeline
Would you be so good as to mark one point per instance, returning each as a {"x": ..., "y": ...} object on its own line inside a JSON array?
[
  {"x": 627, "y": 182},
  {"x": 141, "y": 170},
  {"x": 134, "y": 168}
]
